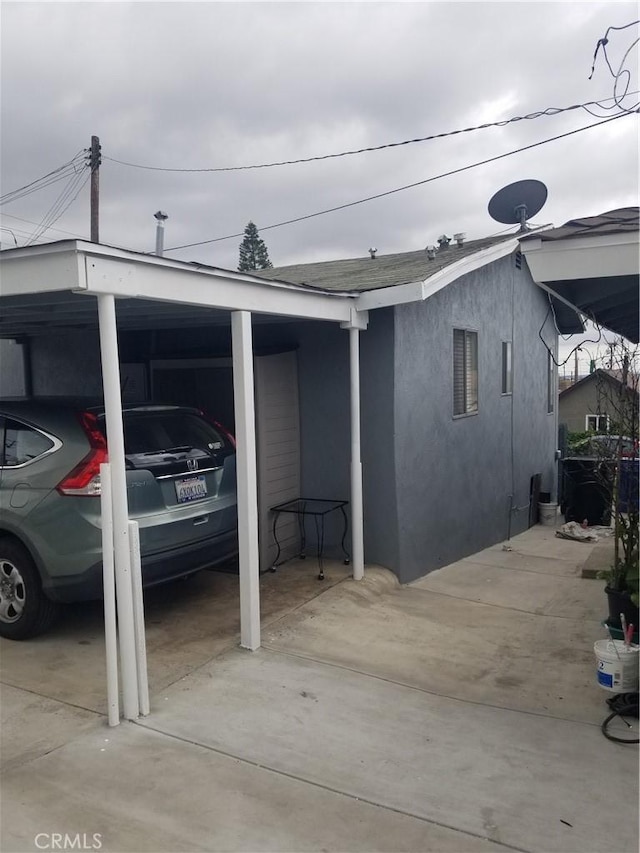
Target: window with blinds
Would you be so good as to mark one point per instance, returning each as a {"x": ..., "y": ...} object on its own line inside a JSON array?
[{"x": 465, "y": 372}]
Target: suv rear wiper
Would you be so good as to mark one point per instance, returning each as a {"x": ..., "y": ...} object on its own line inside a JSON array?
[{"x": 180, "y": 449}]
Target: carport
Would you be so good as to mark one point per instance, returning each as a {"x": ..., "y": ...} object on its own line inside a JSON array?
[
  {"x": 591, "y": 266},
  {"x": 58, "y": 285}
]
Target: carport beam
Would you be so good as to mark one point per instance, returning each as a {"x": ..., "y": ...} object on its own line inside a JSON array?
[{"x": 247, "y": 479}]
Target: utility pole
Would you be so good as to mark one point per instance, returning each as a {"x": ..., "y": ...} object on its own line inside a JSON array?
[
  {"x": 94, "y": 162},
  {"x": 575, "y": 373}
]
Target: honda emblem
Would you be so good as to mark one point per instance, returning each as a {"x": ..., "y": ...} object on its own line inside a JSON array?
[{"x": 192, "y": 464}]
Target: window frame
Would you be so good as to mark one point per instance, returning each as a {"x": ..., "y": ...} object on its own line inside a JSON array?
[
  {"x": 551, "y": 383},
  {"x": 597, "y": 427},
  {"x": 469, "y": 336},
  {"x": 56, "y": 444},
  {"x": 507, "y": 368}
]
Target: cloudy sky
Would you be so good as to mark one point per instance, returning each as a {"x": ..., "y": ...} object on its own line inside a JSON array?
[{"x": 210, "y": 85}]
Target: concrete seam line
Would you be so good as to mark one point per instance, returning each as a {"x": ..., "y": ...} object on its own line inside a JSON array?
[
  {"x": 502, "y": 606},
  {"x": 487, "y": 565},
  {"x": 366, "y": 674},
  {"x": 54, "y": 699},
  {"x": 143, "y": 724}
]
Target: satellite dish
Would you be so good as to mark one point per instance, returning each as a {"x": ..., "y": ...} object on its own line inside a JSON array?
[{"x": 518, "y": 202}]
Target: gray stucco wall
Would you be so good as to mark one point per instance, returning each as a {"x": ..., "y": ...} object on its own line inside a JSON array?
[
  {"x": 66, "y": 363},
  {"x": 323, "y": 378},
  {"x": 11, "y": 369},
  {"x": 454, "y": 475},
  {"x": 323, "y": 370}
]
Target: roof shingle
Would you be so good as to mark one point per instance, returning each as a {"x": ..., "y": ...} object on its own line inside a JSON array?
[{"x": 360, "y": 274}]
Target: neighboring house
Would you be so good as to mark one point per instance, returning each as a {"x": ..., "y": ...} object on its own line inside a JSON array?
[{"x": 589, "y": 403}]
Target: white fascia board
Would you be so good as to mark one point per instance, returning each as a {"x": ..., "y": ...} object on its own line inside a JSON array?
[
  {"x": 599, "y": 256},
  {"x": 562, "y": 299},
  {"x": 173, "y": 282},
  {"x": 24, "y": 273},
  {"x": 420, "y": 290}
]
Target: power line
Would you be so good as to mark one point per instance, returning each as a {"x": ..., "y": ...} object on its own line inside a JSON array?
[
  {"x": 62, "y": 203},
  {"x": 49, "y": 228},
  {"x": 550, "y": 111},
  {"x": 58, "y": 174},
  {"x": 406, "y": 187},
  {"x": 622, "y": 73}
]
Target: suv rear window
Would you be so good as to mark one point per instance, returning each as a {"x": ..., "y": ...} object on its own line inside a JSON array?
[
  {"x": 22, "y": 444},
  {"x": 153, "y": 432}
]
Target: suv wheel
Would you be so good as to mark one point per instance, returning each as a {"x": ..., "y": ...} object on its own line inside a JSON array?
[{"x": 25, "y": 611}]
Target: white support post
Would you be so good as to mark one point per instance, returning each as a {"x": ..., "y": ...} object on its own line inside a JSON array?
[
  {"x": 115, "y": 433},
  {"x": 247, "y": 479},
  {"x": 357, "y": 513},
  {"x": 109, "y": 595},
  {"x": 138, "y": 618}
]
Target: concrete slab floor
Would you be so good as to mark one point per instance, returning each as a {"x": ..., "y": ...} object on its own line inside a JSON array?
[
  {"x": 188, "y": 623},
  {"x": 531, "y": 592},
  {"x": 379, "y": 718},
  {"x": 33, "y": 725},
  {"x": 518, "y": 779},
  {"x": 143, "y": 791},
  {"x": 452, "y": 646}
]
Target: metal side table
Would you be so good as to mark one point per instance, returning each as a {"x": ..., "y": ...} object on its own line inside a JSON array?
[{"x": 318, "y": 508}]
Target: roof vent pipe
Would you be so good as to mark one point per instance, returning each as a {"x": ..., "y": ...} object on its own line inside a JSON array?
[
  {"x": 444, "y": 241},
  {"x": 459, "y": 238},
  {"x": 431, "y": 252},
  {"x": 372, "y": 252},
  {"x": 160, "y": 218}
]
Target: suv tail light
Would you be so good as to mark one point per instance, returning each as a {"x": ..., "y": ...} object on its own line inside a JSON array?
[
  {"x": 84, "y": 479},
  {"x": 225, "y": 432}
]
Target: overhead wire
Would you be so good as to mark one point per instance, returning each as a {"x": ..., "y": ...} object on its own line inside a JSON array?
[
  {"x": 549, "y": 111},
  {"x": 622, "y": 73},
  {"x": 61, "y": 204},
  {"x": 59, "y": 174},
  {"x": 550, "y": 310},
  {"x": 405, "y": 187},
  {"x": 31, "y": 222}
]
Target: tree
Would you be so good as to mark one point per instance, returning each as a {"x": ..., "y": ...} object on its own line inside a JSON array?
[
  {"x": 620, "y": 399},
  {"x": 253, "y": 252}
]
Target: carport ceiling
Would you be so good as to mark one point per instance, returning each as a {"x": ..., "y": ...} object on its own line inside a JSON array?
[
  {"x": 613, "y": 305},
  {"x": 592, "y": 265},
  {"x": 36, "y": 314}
]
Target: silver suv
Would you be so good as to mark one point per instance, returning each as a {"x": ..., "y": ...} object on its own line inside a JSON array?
[{"x": 181, "y": 486}]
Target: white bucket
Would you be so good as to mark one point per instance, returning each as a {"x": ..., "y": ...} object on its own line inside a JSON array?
[
  {"x": 617, "y": 666},
  {"x": 548, "y": 514}
]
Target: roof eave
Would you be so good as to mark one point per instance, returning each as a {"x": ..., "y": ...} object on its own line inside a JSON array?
[
  {"x": 596, "y": 256},
  {"x": 90, "y": 268},
  {"x": 418, "y": 291}
]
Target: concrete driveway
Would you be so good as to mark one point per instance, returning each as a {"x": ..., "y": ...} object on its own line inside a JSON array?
[{"x": 459, "y": 713}]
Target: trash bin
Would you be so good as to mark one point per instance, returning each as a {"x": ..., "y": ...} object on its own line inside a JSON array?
[
  {"x": 587, "y": 485},
  {"x": 628, "y": 490}
]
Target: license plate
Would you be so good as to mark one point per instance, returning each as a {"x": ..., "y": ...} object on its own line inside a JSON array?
[{"x": 191, "y": 489}]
